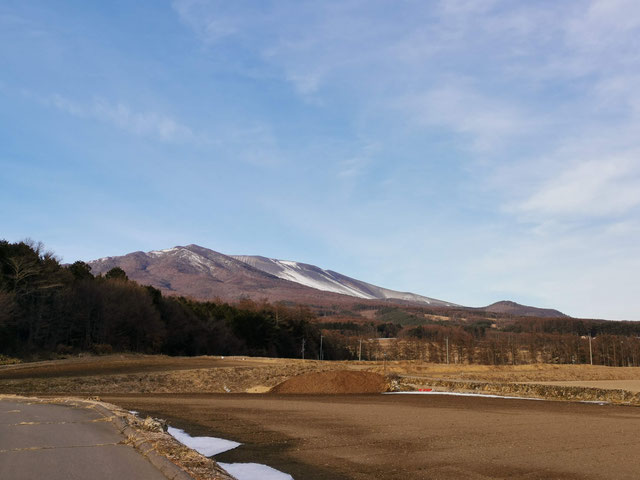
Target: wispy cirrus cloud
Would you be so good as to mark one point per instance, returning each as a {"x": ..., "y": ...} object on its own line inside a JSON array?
[
  {"x": 124, "y": 117},
  {"x": 252, "y": 143},
  {"x": 603, "y": 187},
  {"x": 485, "y": 122}
]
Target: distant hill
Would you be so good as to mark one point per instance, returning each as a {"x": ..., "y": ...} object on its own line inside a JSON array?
[{"x": 513, "y": 308}]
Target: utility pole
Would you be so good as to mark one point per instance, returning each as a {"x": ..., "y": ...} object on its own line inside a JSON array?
[
  {"x": 590, "y": 351},
  {"x": 321, "y": 355},
  {"x": 447, "y": 341},
  {"x": 303, "y": 342},
  {"x": 360, "y": 351}
]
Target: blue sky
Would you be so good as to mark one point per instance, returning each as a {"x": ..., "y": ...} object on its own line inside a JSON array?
[{"x": 467, "y": 150}]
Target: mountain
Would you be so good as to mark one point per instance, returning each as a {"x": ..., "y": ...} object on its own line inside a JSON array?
[
  {"x": 204, "y": 274},
  {"x": 330, "y": 281},
  {"x": 513, "y": 308}
]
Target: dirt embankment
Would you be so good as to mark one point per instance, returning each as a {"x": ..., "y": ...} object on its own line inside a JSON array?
[
  {"x": 335, "y": 382},
  {"x": 539, "y": 372},
  {"x": 119, "y": 374},
  {"x": 147, "y": 374},
  {"x": 555, "y": 382},
  {"x": 530, "y": 390}
]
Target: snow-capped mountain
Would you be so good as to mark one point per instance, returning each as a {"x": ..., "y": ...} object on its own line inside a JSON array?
[
  {"x": 201, "y": 273},
  {"x": 205, "y": 274},
  {"x": 330, "y": 281}
]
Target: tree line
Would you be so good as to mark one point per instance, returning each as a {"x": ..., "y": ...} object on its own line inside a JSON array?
[
  {"x": 49, "y": 308},
  {"x": 479, "y": 343}
]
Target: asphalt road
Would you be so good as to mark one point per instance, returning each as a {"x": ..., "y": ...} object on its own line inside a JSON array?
[{"x": 60, "y": 442}]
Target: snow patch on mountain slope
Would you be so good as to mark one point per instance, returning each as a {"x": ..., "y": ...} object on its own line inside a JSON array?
[
  {"x": 320, "y": 279},
  {"x": 303, "y": 274},
  {"x": 157, "y": 253},
  {"x": 330, "y": 281},
  {"x": 199, "y": 262}
]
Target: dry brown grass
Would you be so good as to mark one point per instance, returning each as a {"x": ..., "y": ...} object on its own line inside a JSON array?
[
  {"x": 148, "y": 374},
  {"x": 162, "y": 374},
  {"x": 512, "y": 373},
  {"x": 628, "y": 385}
]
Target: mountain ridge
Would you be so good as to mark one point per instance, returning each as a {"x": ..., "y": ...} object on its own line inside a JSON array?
[
  {"x": 205, "y": 274},
  {"x": 330, "y": 280}
]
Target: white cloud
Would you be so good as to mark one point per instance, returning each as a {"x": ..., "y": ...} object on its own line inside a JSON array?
[
  {"x": 122, "y": 116},
  {"x": 604, "y": 24},
  {"x": 588, "y": 188},
  {"x": 142, "y": 123},
  {"x": 210, "y": 28},
  {"x": 487, "y": 122},
  {"x": 252, "y": 143},
  {"x": 354, "y": 166}
]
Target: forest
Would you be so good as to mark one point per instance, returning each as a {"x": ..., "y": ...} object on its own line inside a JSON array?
[{"x": 48, "y": 310}]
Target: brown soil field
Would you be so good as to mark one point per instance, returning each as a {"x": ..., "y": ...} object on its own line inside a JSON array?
[
  {"x": 341, "y": 437},
  {"x": 344, "y": 437},
  {"x": 115, "y": 364}
]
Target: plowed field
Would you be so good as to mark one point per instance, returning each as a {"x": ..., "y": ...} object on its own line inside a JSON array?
[{"x": 401, "y": 437}]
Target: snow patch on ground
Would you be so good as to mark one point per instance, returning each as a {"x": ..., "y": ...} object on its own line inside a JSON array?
[
  {"x": 207, "y": 446},
  {"x": 254, "y": 471},
  {"x": 210, "y": 446}
]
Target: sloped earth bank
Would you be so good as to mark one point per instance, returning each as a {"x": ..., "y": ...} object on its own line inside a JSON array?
[
  {"x": 158, "y": 374},
  {"x": 529, "y": 390},
  {"x": 336, "y": 382},
  {"x": 126, "y": 373},
  {"x": 399, "y": 437}
]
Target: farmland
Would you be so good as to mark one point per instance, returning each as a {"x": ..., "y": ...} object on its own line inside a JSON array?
[{"x": 358, "y": 436}]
